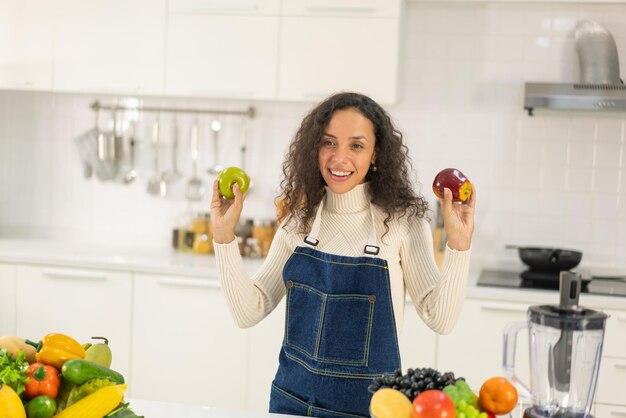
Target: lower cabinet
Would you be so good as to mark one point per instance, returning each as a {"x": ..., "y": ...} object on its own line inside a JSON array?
[
  {"x": 186, "y": 347},
  {"x": 77, "y": 302},
  {"x": 266, "y": 339},
  {"x": 474, "y": 349},
  {"x": 7, "y": 299},
  {"x": 610, "y": 394},
  {"x": 610, "y": 411},
  {"x": 418, "y": 343}
]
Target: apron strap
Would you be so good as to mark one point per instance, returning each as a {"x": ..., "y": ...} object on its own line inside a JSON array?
[{"x": 371, "y": 248}]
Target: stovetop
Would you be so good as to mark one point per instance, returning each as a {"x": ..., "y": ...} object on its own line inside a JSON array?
[{"x": 549, "y": 282}]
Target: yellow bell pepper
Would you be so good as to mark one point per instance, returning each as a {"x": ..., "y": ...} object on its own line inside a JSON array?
[{"x": 56, "y": 349}]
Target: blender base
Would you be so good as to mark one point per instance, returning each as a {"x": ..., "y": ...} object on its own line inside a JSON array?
[{"x": 528, "y": 413}]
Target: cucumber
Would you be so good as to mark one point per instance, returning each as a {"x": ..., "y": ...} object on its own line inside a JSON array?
[{"x": 79, "y": 371}]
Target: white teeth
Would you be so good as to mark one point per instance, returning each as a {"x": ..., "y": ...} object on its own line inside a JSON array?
[{"x": 340, "y": 173}]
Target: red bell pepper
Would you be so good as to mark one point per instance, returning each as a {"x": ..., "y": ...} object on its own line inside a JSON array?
[{"x": 43, "y": 380}]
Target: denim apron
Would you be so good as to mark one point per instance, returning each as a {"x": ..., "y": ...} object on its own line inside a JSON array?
[{"x": 340, "y": 330}]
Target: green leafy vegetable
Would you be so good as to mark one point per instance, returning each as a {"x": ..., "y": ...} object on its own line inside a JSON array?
[
  {"x": 13, "y": 372},
  {"x": 87, "y": 388},
  {"x": 123, "y": 411}
]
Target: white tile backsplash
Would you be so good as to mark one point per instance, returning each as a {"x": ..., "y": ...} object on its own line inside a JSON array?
[{"x": 556, "y": 178}]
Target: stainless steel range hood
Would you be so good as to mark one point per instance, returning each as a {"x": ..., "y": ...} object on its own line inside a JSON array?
[
  {"x": 600, "y": 86},
  {"x": 570, "y": 96}
]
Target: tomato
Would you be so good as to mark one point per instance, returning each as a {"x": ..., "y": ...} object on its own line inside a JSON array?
[
  {"x": 498, "y": 396},
  {"x": 433, "y": 404}
]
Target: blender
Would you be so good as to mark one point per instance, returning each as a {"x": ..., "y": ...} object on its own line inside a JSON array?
[{"x": 565, "y": 350}]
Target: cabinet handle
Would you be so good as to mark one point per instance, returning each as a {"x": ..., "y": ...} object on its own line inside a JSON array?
[
  {"x": 503, "y": 308},
  {"x": 232, "y": 93},
  {"x": 340, "y": 9},
  {"x": 226, "y": 8},
  {"x": 19, "y": 84},
  {"x": 618, "y": 414},
  {"x": 620, "y": 366},
  {"x": 207, "y": 284},
  {"x": 71, "y": 275},
  {"x": 621, "y": 318}
]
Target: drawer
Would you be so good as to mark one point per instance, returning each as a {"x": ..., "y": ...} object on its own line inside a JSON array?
[
  {"x": 615, "y": 337},
  {"x": 610, "y": 411},
  {"x": 611, "y": 382}
]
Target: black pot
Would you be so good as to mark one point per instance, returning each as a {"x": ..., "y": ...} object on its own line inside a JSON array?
[{"x": 549, "y": 259}]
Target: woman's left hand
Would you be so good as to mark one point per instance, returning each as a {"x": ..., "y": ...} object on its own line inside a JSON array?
[{"x": 458, "y": 220}]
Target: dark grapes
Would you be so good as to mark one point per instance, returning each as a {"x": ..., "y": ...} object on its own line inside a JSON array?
[{"x": 414, "y": 382}]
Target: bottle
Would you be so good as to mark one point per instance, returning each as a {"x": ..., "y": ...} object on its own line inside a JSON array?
[{"x": 202, "y": 243}]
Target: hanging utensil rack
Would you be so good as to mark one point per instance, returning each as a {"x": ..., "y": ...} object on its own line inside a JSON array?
[{"x": 97, "y": 106}]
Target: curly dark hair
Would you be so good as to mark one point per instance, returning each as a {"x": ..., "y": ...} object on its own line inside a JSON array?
[{"x": 302, "y": 184}]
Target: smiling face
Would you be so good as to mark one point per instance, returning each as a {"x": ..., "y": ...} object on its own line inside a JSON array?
[{"x": 347, "y": 150}]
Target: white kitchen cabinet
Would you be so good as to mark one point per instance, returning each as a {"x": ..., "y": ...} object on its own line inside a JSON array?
[
  {"x": 615, "y": 334},
  {"x": 266, "y": 339},
  {"x": 26, "y": 44},
  {"x": 358, "y": 8},
  {"x": 610, "y": 411},
  {"x": 109, "y": 46},
  {"x": 323, "y": 55},
  {"x": 186, "y": 348},
  {"x": 610, "y": 394},
  {"x": 474, "y": 348},
  {"x": 76, "y": 302},
  {"x": 229, "y": 7},
  {"x": 7, "y": 299},
  {"x": 418, "y": 343},
  {"x": 222, "y": 56}
]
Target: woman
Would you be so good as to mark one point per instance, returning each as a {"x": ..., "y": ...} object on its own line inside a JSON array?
[{"x": 353, "y": 238}]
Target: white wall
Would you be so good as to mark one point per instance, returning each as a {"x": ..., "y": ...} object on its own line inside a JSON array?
[{"x": 556, "y": 179}]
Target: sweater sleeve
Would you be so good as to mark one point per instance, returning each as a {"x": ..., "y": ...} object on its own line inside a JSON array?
[
  {"x": 252, "y": 299},
  {"x": 436, "y": 295}
]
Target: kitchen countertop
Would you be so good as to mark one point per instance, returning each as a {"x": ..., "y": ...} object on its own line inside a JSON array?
[
  {"x": 155, "y": 409},
  {"x": 165, "y": 260},
  {"x": 159, "y": 260}
]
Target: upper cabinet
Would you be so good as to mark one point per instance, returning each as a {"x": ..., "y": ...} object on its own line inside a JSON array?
[
  {"x": 109, "y": 46},
  {"x": 295, "y": 50},
  {"x": 343, "y": 45},
  {"x": 26, "y": 44},
  {"x": 226, "y": 56}
]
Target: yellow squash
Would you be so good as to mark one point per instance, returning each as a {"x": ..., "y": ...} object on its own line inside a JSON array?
[
  {"x": 10, "y": 404},
  {"x": 96, "y": 405}
]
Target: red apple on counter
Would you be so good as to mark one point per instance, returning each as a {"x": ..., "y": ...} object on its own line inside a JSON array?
[
  {"x": 229, "y": 176},
  {"x": 453, "y": 179}
]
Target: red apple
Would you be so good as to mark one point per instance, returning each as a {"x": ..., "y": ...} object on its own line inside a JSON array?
[
  {"x": 454, "y": 180},
  {"x": 230, "y": 176}
]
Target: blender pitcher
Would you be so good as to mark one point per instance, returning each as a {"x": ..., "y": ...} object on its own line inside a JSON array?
[{"x": 565, "y": 350}]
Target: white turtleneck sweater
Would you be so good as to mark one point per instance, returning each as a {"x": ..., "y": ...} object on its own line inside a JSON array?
[{"x": 345, "y": 227}]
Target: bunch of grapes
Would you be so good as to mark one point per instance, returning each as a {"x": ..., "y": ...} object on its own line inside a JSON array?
[{"x": 414, "y": 382}]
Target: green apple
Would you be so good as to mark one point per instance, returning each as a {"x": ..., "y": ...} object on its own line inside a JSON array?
[{"x": 229, "y": 176}]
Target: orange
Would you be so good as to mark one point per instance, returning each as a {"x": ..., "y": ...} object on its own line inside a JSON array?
[{"x": 498, "y": 396}]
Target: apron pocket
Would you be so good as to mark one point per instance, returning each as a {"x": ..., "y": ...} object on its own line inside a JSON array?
[{"x": 329, "y": 328}]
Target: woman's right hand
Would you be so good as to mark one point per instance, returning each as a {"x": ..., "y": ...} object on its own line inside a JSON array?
[{"x": 225, "y": 214}]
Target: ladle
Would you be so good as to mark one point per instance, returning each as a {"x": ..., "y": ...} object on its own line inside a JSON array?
[
  {"x": 131, "y": 175},
  {"x": 195, "y": 188},
  {"x": 156, "y": 184},
  {"x": 174, "y": 175},
  {"x": 216, "y": 125}
]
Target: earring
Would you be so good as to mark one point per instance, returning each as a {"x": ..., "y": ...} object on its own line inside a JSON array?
[{"x": 373, "y": 167}]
